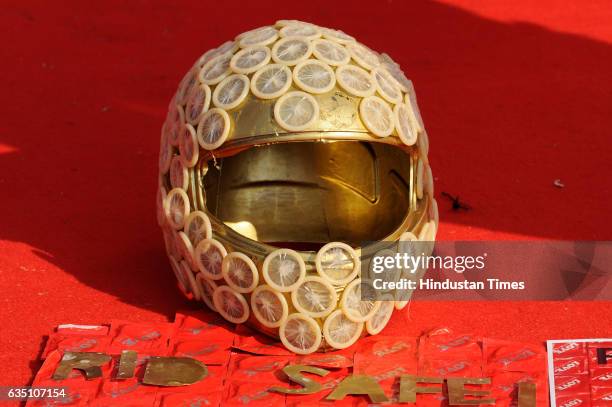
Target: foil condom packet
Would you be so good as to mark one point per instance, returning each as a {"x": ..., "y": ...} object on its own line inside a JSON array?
[
  {"x": 257, "y": 369},
  {"x": 580, "y": 372},
  {"x": 140, "y": 337},
  {"x": 78, "y": 338}
]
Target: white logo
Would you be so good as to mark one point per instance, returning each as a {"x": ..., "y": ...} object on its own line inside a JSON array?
[
  {"x": 395, "y": 348},
  {"x": 605, "y": 378},
  {"x": 565, "y": 348},
  {"x": 569, "y": 384},
  {"x": 567, "y": 367},
  {"x": 572, "y": 403}
]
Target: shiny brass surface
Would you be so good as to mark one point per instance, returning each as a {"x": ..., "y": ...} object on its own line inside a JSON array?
[
  {"x": 211, "y": 180},
  {"x": 294, "y": 373},
  {"x": 412, "y": 219},
  {"x": 127, "y": 364},
  {"x": 359, "y": 385},
  {"x": 313, "y": 192},
  {"x": 88, "y": 362},
  {"x": 174, "y": 371},
  {"x": 339, "y": 119},
  {"x": 527, "y": 394},
  {"x": 457, "y": 391}
]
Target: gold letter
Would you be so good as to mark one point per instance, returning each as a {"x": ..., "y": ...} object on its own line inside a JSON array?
[
  {"x": 88, "y": 362},
  {"x": 409, "y": 389},
  {"x": 294, "y": 372},
  {"x": 526, "y": 394},
  {"x": 127, "y": 364},
  {"x": 359, "y": 384},
  {"x": 174, "y": 371},
  {"x": 457, "y": 391}
]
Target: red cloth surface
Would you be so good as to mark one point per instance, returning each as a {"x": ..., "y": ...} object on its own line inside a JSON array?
[{"x": 514, "y": 96}]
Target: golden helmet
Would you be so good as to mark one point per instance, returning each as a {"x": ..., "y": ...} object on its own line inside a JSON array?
[{"x": 285, "y": 154}]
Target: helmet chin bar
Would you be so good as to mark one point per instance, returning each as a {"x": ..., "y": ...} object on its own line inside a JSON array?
[{"x": 306, "y": 194}]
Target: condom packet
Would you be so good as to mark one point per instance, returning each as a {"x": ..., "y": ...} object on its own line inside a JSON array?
[
  {"x": 150, "y": 339},
  {"x": 203, "y": 326},
  {"x": 206, "y": 351},
  {"x": 443, "y": 343},
  {"x": 386, "y": 356},
  {"x": 444, "y": 353},
  {"x": 505, "y": 387},
  {"x": 247, "y": 368},
  {"x": 581, "y": 372},
  {"x": 504, "y": 356},
  {"x": 601, "y": 396},
  {"x": 250, "y": 393},
  {"x": 250, "y": 341},
  {"x": 78, "y": 338},
  {"x": 333, "y": 360},
  {"x": 79, "y": 391}
]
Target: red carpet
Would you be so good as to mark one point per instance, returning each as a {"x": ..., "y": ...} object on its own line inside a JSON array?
[{"x": 514, "y": 97}]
